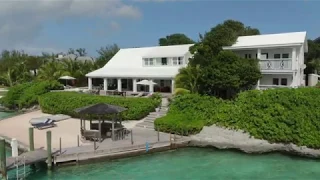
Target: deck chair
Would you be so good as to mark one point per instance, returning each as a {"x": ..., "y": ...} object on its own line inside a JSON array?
[{"x": 47, "y": 124}]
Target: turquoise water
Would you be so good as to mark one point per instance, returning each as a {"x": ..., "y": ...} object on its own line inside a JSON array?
[
  {"x": 6, "y": 114},
  {"x": 191, "y": 163}
]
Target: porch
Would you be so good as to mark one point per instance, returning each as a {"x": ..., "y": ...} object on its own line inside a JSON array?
[
  {"x": 270, "y": 81},
  {"x": 130, "y": 85}
]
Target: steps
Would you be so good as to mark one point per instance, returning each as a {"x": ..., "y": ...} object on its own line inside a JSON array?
[{"x": 148, "y": 122}]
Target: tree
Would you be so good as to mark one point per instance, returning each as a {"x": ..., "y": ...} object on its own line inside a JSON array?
[
  {"x": 223, "y": 73},
  {"x": 175, "y": 39},
  {"x": 312, "y": 56},
  {"x": 78, "y": 52},
  {"x": 106, "y": 53},
  {"x": 189, "y": 78}
]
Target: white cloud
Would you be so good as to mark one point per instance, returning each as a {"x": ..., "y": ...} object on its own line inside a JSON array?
[{"x": 21, "y": 21}]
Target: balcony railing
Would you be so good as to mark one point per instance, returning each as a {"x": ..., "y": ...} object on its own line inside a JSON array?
[{"x": 275, "y": 64}]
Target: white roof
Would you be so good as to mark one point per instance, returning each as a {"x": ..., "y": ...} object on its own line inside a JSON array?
[
  {"x": 128, "y": 62},
  {"x": 270, "y": 40}
]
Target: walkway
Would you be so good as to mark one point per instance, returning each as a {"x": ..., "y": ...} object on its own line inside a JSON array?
[{"x": 148, "y": 122}]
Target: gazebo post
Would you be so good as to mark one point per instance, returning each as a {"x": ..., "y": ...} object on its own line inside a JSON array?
[
  {"x": 100, "y": 139},
  {"x": 113, "y": 128}
]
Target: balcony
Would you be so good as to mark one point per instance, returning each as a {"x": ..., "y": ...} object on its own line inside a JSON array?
[{"x": 275, "y": 64}]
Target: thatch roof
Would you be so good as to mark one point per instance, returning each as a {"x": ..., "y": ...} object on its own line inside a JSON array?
[{"x": 100, "y": 109}]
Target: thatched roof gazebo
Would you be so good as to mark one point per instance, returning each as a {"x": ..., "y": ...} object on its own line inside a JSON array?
[{"x": 101, "y": 110}]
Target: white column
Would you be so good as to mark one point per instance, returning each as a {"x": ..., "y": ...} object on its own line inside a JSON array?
[
  {"x": 151, "y": 86},
  {"x": 134, "y": 85},
  {"x": 294, "y": 58},
  {"x": 259, "y": 54},
  {"x": 258, "y": 85},
  {"x": 89, "y": 83},
  {"x": 119, "y": 84},
  {"x": 105, "y": 84},
  {"x": 172, "y": 86}
]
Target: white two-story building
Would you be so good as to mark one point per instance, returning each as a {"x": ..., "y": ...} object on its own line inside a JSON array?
[
  {"x": 281, "y": 57},
  {"x": 281, "y": 61},
  {"x": 160, "y": 64}
]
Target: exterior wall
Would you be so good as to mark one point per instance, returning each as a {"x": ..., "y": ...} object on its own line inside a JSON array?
[{"x": 267, "y": 79}]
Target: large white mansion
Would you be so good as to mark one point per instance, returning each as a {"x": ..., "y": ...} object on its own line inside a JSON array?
[{"x": 281, "y": 61}]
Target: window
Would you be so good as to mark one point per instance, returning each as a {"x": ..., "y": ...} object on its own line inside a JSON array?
[
  {"x": 180, "y": 60},
  {"x": 247, "y": 56},
  {"x": 276, "y": 56},
  {"x": 164, "y": 61},
  {"x": 286, "y": 55},
  {"x": 275, "y": 81},
  {"x": 264, "y": 56},
  {"x": 284, "y": 82},
  {"x": 175, "y": 61},
  {"x": 148, "y": 62}
]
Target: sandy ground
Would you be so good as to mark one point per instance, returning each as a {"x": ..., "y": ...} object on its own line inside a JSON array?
[{"x": 18, "y": 127}]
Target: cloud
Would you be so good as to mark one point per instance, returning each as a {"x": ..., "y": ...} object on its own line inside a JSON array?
[
  {"x": 114, "y": 26},
  {"x": 21, "y": 21}
]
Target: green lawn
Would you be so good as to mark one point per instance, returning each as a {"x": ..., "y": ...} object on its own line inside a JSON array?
[{"x": 2, "y": 93}]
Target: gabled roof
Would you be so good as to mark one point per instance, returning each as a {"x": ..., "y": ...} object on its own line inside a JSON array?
[
  {"x": 270, "y": 40},
  {"x": 128, "y": 62}
]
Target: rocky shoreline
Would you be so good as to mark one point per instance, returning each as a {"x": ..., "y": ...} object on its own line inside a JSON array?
[{"x": 222, "y": 138}]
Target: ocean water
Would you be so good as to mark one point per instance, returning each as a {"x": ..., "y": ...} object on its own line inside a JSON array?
[
  {"x": 190, "y": 163},
  {"x": 6, "y": 114}
]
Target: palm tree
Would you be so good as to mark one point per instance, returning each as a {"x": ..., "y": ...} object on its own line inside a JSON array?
[
  {"x": 189, "y": 78},
  {"x": 52, "y": 70}
]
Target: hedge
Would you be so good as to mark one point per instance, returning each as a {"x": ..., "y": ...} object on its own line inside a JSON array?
[
  {"x": 67, "y": 102},
  {"x": 277, "y": 115},
  {"x": 26, "y": 95}
]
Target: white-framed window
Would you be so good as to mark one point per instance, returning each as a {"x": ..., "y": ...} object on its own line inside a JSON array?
[
  {"x": 180, "y": 60},
  {"x": 177, "y": 61},
  {"x": 285, "y": 55},
  {"x": 280, "y": 81},
  {"x": 277, "y": 56},
  {"x": 174, "y": 61},
  {"x": 247, "y": 56},
  {"x": 164, "y": 61},
  {"x": 148, "y": 62}
]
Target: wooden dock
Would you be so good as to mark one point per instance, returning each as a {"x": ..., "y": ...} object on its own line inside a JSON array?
[
  {"x": 77, "y": 155},
  {"x": 27, "y": 158}
]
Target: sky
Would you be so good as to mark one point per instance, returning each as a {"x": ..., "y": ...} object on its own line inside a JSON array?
[{"x": 37, "y": 26}]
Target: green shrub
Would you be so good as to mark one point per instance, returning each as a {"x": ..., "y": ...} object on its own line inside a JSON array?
[
  {"x": 26, "y": 94},
  {"x": 67, "y": 102},
  {"x": 278, "y": 115},
  {"x": 181, "y": 91}
]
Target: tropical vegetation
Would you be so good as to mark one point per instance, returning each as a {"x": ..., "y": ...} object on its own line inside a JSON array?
[
  {"x": 67, "y": 102},
  {"x": 26, "y": 95},
  {"x": 278, "y": 115}
]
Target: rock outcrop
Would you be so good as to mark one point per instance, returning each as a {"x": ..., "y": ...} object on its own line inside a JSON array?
[{"x": 222, "y": 138}]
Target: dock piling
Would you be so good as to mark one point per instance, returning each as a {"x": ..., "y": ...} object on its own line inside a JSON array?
[
  {"x": 60, "y": 145},
  {"x": 131, "y": 137},
  {"x": 78, "y": 141},
  {"x": 3, "y": 158},
  {"x": 158, "y": 135},
  {"x": 94, "y": 145},
  {"x": 31, "y": 139},
  {"x": 49, "y": 150}
]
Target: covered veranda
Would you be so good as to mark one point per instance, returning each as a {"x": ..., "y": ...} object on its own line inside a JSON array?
[
  {"x": 105, "y": 121},
  {"x": 164, "y": 85}
]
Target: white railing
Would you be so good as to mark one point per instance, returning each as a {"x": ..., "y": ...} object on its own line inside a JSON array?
[
  {"x": 264, "y": 87},
  {"x": 275, "y": 64}
]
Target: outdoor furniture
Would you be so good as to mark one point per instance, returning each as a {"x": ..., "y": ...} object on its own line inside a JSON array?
[
  {"x": 43, "y": 125},
  {"x": 90, "y": 135},
  {"x": 100, "y": 110}
]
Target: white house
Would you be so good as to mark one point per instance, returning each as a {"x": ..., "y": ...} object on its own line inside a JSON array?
[
  {"x": 281, "y": 57},
  {"x": 281, "y": 62},
  {"x": 159, "y": 64}
]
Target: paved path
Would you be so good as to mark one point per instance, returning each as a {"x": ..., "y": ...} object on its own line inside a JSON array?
[{"x": 148, "y": 122}]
